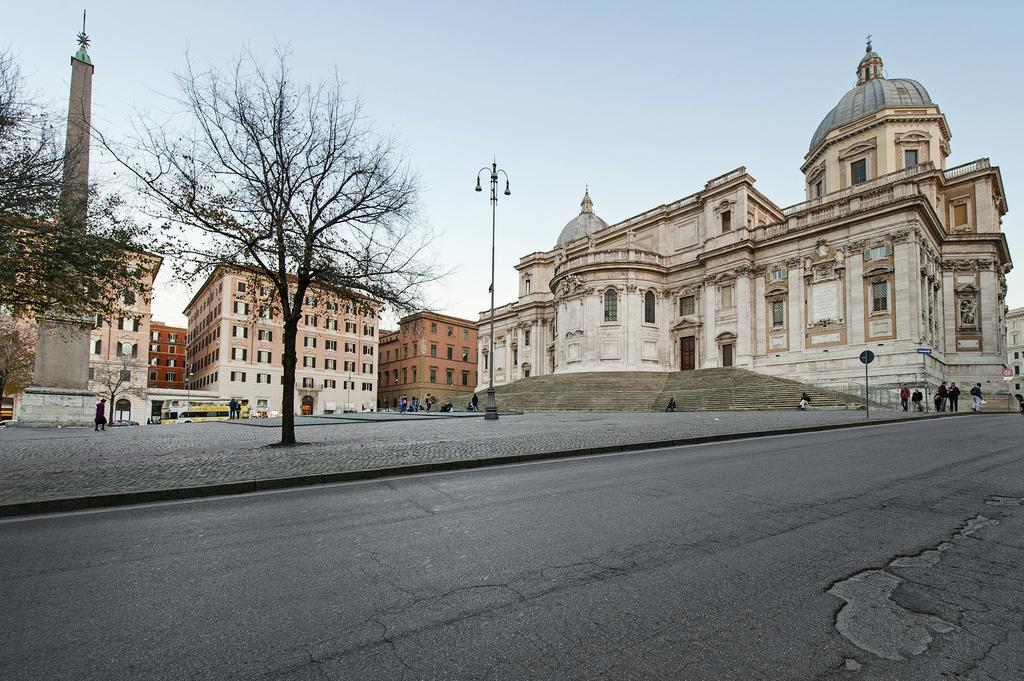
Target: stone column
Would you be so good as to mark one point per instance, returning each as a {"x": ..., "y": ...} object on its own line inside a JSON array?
[
  {"x": 988, "y": 303},
  {"x": 947, "y": 304},
  {"x": 709, "y": 360},
  {"x": 907, "y": 293},
  {"x": 855, "y": 295},
  {"x": 744, "y": 320},
  {"x": 797, "y": 317}
]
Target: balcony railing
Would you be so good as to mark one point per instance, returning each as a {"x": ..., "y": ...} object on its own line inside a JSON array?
[
  {"x": 966, "y": 168},
  {"x": 613, "y": 256}
]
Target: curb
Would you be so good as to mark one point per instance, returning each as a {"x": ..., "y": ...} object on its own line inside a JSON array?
[{"x": 65, "y": 504}]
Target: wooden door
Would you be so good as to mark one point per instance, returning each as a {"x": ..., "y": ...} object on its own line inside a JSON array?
[
  {"x": 727, "y": 355},
  {"x": 688, "y": 353}
]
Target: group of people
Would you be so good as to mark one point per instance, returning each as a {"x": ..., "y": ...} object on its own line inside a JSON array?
[
  {"x": 947, "y": 398},
  {"x": 405, "y": 404}
]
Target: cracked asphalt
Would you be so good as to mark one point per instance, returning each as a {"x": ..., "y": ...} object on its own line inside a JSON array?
[{"x": 764, "y": 558}]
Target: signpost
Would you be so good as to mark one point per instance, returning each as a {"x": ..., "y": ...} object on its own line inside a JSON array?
[
  {"x": 925, "y": 353},
  {"x": 866, "y": 358}
]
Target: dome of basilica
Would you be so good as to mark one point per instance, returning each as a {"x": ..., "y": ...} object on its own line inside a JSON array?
[
  {"x": 872, "y": 92},
  {"x": 582, "y": 225}
]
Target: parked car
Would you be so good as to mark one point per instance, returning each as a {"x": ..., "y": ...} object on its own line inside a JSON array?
[{"x": 122, "y": 422}]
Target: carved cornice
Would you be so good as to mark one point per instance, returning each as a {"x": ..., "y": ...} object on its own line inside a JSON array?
[{"x": 900, "y": 236}]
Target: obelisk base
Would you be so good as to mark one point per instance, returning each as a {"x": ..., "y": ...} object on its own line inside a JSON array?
[{"x": 50, "y": 407}]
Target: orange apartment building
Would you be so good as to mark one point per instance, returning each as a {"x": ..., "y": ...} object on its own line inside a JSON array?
[
  {"x": 122, "y": 344},
  {"x": 429, "y": 353},
  {"x": 235, "y": 344},
  {"x": 167, "y": 366}
]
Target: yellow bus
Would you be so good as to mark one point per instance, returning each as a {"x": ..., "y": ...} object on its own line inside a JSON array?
[{"x": 183, "y": 411}]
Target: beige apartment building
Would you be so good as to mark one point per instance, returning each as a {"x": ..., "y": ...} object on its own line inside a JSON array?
[
  {"x": 121, "y": 345},
  {"x": 235, "y": 345}
]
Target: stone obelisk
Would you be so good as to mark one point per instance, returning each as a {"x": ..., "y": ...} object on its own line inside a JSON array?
[{"x": 60, "y": 395}]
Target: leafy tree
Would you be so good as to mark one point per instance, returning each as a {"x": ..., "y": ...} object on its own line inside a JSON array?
[
  {"x": 285, "y": 181},
  {"x": 50, "y": 260},
  {"x": 17, "y": 355}
]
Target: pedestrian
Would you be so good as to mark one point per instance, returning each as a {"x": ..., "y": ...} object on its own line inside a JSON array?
[
  {"x": 404, "y": 406},
  {"x": 101, "y": 415},
  {"x": 917, "y": 399},
  {"x": 476, "y": 403},
  {"x": 427, "y": 401},
  {"x": 232, "y": 408},
  {"x": 1020, "y": 401},
  {"x": 805, "y": 401},
  {"x": 976, "y": 400},
  {"x": 671, "y": 404},
  {"x": 954, "y": 398},
  {"x": 904, "y": 396},
  {"x": 942, "y": 394}
]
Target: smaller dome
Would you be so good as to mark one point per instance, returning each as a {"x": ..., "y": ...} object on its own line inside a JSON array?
[{"x": 584, "y": 224}]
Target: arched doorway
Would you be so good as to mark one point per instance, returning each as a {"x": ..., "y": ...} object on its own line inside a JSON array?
[
  {"x": 122, "y": 410},
  {"x": 307, "y": 405}
]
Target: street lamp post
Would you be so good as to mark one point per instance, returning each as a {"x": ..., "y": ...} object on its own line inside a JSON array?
[{"x": 491, "y": 409}]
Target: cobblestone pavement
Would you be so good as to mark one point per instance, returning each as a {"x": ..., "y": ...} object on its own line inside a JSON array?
[{"x": 38, "y": 464}]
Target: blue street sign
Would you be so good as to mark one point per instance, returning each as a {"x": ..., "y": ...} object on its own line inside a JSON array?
[
  {"x": 867, "y": 357},
  {"x": 924, "y": 351}
]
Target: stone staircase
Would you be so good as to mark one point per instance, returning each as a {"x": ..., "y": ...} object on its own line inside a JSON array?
[{"x": 704, "y": 389}]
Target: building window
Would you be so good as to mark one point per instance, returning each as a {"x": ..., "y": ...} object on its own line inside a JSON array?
[
  {"x": 880, "y": 296},
  {"x": 777, "y": 274},
  {"x": 330, "y": 383},
  {"x": 309, "y": 361},
  {"x": 126, "y": 349},
  {"x": 368, "y": 350},
  {"x": 170, "y": 377},
  {"x": 960, "y": 214},
  {"x": 241, "y": 287},
  {"x": 350, "y": 327},
  {"x": 263, "y": 356},
  {"x": 819, "y": 189},
  {"x": 859, "y": 171},
  {"x": 330, "y": 345},
  {"x": 778, "y": 313},
  {"x": 239, "y": 353},
  {"x": 465, "y": 334},
  {"x": 350, "y": 347},
  {"x": 172, "y": 362},
  {"x": 154, "y": 335},
  {"x": 265, "y": 335},
  {"x": 433, "y": 327},
  {"x": 909, "y": 158},
  {"x": 309, "y": 341},
  {"x": 878, "y": 252},
  {"x": 450, "y": 376},
  {"x": 465, "y": 354},
  {"x": 331, "y": 324},
  {"x": 152, "y": 375},
  {"x": 465, "y": 378},
  {"x": 526, "y": 342},
  {"x": 331, "y": 364},
  {"x": 238, "y": 376},
  {"x": 172, "y": 338},
  {"x": 239, "y": 331},
  {"x": 367, "y": 387},
  {"x": 310, "y": 320},
  {"x": 687, "y": 305},
  {"x": 433, "y": 374},
  {"x": 526, "y": 286},
  {"x": 649, "y": 307},
  {"x": 450, "y": 352},
  {"x": 611, "y": 305},
  {"x": 241, "y": 307},
  {"x": 725, "y": 298},
  {"x": 367, "y": 367},
  {"x": 97, "y": 346},
  {"x": 433, "y": 350},
  {"x": 726, "y": 221},
  {"x": 307, "y": 382},
  {"x": 414, "y": 375}
]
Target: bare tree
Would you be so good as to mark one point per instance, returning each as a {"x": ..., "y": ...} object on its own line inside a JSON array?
[
  {"x": 114, "y": 378},
  {"x": 17, "y": 355},
  {"x": 285, "y": 181},
  {"x": 49, "y": 259}
]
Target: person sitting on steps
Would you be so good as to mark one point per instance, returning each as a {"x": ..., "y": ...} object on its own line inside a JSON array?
[
  {"x": 671, "y": 404},
  {"x": 805, "y": 401}
]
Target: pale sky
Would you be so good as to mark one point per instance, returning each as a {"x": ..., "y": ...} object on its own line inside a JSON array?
[{"x": 642, "y": 101}]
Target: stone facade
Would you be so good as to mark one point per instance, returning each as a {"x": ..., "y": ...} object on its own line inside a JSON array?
[
  {"x": 891, "y": 252},
  {"x": 1015, "y": 347}
]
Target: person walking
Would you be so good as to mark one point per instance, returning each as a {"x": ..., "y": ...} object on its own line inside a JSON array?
[
  {"x": 976, "y": 398},
  {"x": 476, "y": 402},
  {"x": 942, "y": 394},
  {"x": 954, "y": 398},
  {"x": 404, "y": 405},
  {"x": 904, "y": 396},
  {"x": 100, "y": 422},
  {"x": 232, "y": 409},
  {"x": 917, "y": 399}
]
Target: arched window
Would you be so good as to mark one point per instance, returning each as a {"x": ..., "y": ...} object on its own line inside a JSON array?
[
  {"x": 611, "y": 305},
  {"x": 649, "y": 307}
]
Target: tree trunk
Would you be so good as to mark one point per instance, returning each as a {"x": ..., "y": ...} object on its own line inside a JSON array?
[
  {"x": 111, "y": 418},
  {"x": 288, "y": 361}
]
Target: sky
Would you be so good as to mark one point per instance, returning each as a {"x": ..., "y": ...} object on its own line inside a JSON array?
[{"x": 642, "y": 101}]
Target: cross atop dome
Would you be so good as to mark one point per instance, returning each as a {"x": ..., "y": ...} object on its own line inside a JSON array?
[
  {"x": 586, "y": 205},
  {"x": 870, "y": 66}
]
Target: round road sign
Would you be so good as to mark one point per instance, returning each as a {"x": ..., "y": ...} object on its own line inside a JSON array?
[
  {"x": 867, "y": 357},
  {"x": 1008, "y": 372}
]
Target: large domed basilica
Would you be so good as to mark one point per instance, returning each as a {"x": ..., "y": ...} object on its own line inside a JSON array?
[{"x": 891, "y": 251}]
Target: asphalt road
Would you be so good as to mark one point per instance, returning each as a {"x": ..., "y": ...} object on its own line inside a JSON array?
[{"x": 888, "y": 552}]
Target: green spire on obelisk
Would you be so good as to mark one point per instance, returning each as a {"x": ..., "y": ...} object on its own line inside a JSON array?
[{"x": 83, "y": 45}]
